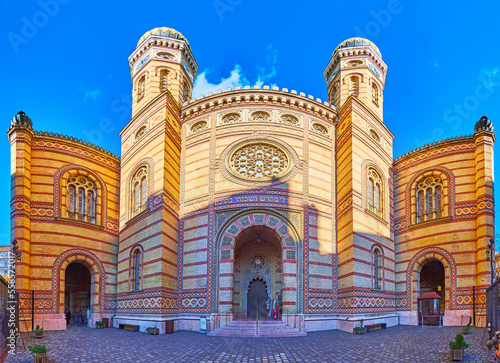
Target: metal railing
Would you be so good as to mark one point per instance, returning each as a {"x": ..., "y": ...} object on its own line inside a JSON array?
[
  {"x": 218, "y": 317},
  {"x": 286, "y": 312}
]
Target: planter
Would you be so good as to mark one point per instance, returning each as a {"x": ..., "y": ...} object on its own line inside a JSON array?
[
  {"x": 39, "y": 335},
  {"x": 465, "y": 331},
  {"x": 153, "y": 331},
  {"x": 360, "y": 331},
  {"x": 457, "y": 354},
  {"x": 100, "y": 326},
  {"x": 41, "y": 358}
]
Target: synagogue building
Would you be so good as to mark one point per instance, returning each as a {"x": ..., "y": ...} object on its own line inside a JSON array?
[{"x": 217, "y": 204}]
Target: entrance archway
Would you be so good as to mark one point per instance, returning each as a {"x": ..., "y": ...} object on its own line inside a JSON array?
[
  {"x": 432, "y": 279},
  {"x": 239, "y": 242},
  {"x": 258, "y": 268},
  {"x": 77, "y": 288}
]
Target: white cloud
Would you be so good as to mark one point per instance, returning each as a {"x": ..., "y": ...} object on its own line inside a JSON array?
[
  {"x": 490, "y": 77},
  {"x": 202, "y": 85},
  {"x": 270, "y": 69},
  {"x": 237, "y": 76},
  {"x": 93, "y": 94}
]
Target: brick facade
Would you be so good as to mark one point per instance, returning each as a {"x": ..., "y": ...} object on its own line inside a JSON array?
[{"x": 251, "y": 183}]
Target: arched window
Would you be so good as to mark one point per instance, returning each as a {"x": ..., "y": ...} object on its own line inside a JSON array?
[
  {"x": 139, "y": 191},
  {"x": 429, "y": 203},
  {"x": 141, "y": 87},
  {"x": 375, "y": 191},
  {"x": 354, "y": 86},
  {"x": 136, "y": 262},
  {"x": 377, "y": 268},
  {"x": 374, "y": 93},
  {"x": 139, "y": 134},
  {"x": 185, "y": 92},
  {"x": 334, "y": 95},
  {"x": 137, "y": 271},
  {"x": 164, "y": 84},
  {"x": 81, "y": 199}
]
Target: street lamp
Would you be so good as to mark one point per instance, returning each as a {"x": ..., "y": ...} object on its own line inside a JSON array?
[
  {"x": 490, "y": 256},
  {"x": 15, "y": 252}
]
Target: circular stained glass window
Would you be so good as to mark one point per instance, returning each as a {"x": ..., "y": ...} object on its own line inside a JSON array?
[{"x": 259, "y": 161}]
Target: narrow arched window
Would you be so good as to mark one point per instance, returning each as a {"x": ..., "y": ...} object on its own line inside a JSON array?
[
  {"x": 375, "y": 93},
  {"x": 141, "y": 88},
  {"x": 164, "y": 84},
  {"x": 81, "y": 199},
  {"x": 139, "y": 191},
  {"x": 376, "y": 284},
  {"x": 354, "y": 86},
  {"x": 71, "y": 200},
  {"x": 375, "y": 191},
  {"x": 429, "y": 194},
  {"x": 334, "y": 95},
  {"x": 137, "y": 270},
  {"x": 185, "y": 93}
]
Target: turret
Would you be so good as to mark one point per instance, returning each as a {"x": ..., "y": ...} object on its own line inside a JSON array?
[
  {"x": 356, "y": 69},
  {"x": 161, "y": 62}
]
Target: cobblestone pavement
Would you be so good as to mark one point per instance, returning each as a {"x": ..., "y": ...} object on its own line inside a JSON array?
[{"x": 396, "y": 344}]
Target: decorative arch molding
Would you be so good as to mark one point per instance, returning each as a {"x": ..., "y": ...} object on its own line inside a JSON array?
[
  {"x": 255, "y": 278},
  {"x": 97, "y": 273},
  {"x": 60, "y": 179},
  {"x": 415, "y": 267},
  {"x": 223, "y": 265},
  {"x": 281, "y": 226},
  {"x": 448, "y": 179},
  {"x": 348, "y": 76}
]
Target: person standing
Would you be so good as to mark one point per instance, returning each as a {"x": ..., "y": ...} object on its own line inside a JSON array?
[
  {"x": 79, "y": 317},
  {"x": 88, "y": 315},
  {"x": 68, "y": 317}
]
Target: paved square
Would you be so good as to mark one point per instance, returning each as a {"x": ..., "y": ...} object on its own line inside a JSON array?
[{"x": 397, "y": 344}]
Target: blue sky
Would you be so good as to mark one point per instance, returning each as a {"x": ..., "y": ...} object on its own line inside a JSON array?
[{"x": 64, "y": 62}]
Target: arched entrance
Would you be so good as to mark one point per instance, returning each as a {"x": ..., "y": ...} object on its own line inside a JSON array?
[
  {"x": 414, "y": 270},
  {"x": 241, "y": 243},
  {"x": 77, "y": 288},
  {"x": 432, "y": 279},
  {"x": 257, "y": 271}
]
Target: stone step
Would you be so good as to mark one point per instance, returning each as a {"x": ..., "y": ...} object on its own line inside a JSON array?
[{"x": 267, "y": 328}]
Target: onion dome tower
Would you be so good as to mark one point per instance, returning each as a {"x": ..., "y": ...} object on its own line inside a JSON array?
[
  {"x": 484, "y": 124},
  {"x": 161, "y": 61},
  {"x": 21, "y": 120},
  {"x": 356, "y": 69}
]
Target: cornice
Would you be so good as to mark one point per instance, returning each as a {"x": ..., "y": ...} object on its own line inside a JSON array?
[
  {"x": 44, "y": 135},
  {"x": 434, "y": 145},
  {"x": 248, "y": 95}
]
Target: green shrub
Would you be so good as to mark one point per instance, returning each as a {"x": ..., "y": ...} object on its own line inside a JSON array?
[
  {"x": 38, "y": 329},
  {"x": 38, "y": 349},
  {"x": 99, "y": 323},
  {"x": 458, "y": 343}
]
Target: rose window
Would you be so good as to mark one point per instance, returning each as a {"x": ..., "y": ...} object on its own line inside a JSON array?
[
  {"x": 259, "y": 161},
  {"x": 258, "y": 261}
]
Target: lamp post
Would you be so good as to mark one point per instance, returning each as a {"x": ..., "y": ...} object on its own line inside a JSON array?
[
  {"x": 15, "y": 251},
  {"x": 490, "y": 256}
]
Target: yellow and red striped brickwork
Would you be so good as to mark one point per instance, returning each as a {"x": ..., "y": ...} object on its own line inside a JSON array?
[{"x": 251, "y": 185}]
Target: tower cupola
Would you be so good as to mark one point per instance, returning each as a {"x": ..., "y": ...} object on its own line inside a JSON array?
[
  {"x": 162, "y": 62},
  {"x": 356, "y": 69}
]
